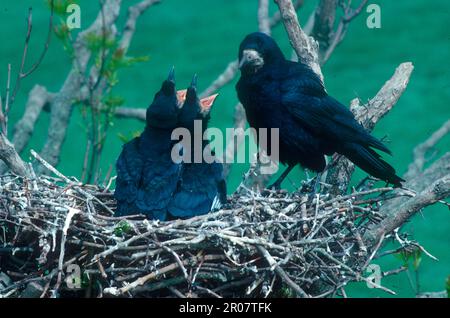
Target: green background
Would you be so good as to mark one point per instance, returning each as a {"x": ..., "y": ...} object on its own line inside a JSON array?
[{"x": 202, "y": 36}]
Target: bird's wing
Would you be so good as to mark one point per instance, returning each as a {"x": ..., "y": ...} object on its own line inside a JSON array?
[
  {"x": 304, "y": 97},
  {"x": 197, "y": 190},
  {"x": 160, "y": 177},
  {"x": 129, "y": 168}
]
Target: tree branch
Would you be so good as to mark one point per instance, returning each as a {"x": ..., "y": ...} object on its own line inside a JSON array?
[
  {"x": 422, "y": 150},
  {"x": 23, "y": 130},
  {"x": 341, "y": 169},
  {"x": 11, "y": 158},
  {"x": 134, "y": 12},
  {"x": 61, "y": 109},
  {"x": 439, "y": 190},
  {"x": 305, "y": 46},
  {"x": 341, "y": 31},
  {"x": 263, "y": 16},
  {"x": 135, "y": 113},
  {"x": 324, "y": 18}
]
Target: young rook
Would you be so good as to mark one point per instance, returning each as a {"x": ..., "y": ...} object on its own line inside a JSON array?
[
  {"x": 202, "y": 183},
  {"x": 147, "y": 176}
]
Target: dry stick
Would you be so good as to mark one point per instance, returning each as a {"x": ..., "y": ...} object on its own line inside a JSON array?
[
  {"x": 224, "y": 78},
  {"x": 239, "y": 121},
  {"x": 164, "y": 228},
  {"x": 305, "y": 46},
  {"x": 134, "y": 12},
  {"x": 7, "y": 105},
  {"x": 70, "y": 182},
  {"x": 281, "y": 273},
  {"x": 142, "y": 280},
  {"x": 69, "y": 217},
  {"x": 341, "y": 30},
  {"x": 395, "y": 218},
  {"x": 23, "y": 129},
  {"x": 177, "y": 259},
  {"x": 351, "y": 271},
  {"x": 22, "y": 74},
  {"x": 323, "y": 24},
  {"x": 127, "y": 112},
  {"x": 11, "y": 158},
  {"x": 263, "y": 16},
  {"x": 422, "y": 149},
  {"x": 418, "y": 180}
]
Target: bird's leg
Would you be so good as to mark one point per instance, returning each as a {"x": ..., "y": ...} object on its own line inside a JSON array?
[{"x": 277, "y": 184}]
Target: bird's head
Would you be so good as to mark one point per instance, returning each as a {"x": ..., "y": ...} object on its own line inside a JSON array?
[
  {"x": 163, "y": 111},
  {"x": 257, "y": 50},
  {"x": 193, "y": 107}
]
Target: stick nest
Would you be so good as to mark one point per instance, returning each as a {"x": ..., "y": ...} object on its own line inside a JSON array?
[{"x": 282, "y": 244}]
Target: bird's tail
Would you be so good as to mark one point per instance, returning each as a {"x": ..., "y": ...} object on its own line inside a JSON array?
[{"x": 371, "y": 162}]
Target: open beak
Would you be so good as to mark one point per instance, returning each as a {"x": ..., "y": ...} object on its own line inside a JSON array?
[
  {"x": 207, "y": 102},
  {"x": 181, "y": 95}
]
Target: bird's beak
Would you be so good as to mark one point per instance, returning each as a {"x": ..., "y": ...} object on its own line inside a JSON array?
[
  {"x": 207, "y": 102},
  {"x": 251, "y": 57},
  {"x": 194, "y": 81},
  {"x": 181, "y": 95},
  {"x": 171, "y": 76}
]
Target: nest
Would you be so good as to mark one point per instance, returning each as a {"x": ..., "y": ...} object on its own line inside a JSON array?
[{"x": 60, "y": 239}]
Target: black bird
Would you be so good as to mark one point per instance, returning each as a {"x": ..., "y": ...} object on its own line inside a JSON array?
[
  {"x": 146, "y": 174},
  {"x": 202, "y": 186},
  {"x": 278, "y": 93}
]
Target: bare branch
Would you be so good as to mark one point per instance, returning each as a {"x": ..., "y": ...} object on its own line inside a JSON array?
[
  {"x": 227, "y": 76},
  {"x": 61, "y": 109},
  {"x": 368, "y": 115},
  {"x": 11, "y": 158},
  {"x": 263, "y": 16},
  {"x": 23, "y": 130},
  {"x": 305, "y": 46},
  {"x": 22, "y": 73},
  {"x": 324, "y": 18},
  {"x": 5, "y": 112},
  {"x": 422, "y": 149},
  {"x": 125, "y": 112},
  {"x": 339, "y": 34},
  {"x": 232, "y": 148},
  {"x": 134, "y": 12},
  {"x": 439, "y": 190}
]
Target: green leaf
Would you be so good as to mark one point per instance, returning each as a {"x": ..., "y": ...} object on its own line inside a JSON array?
[
  {"x": 95, "y": 42},
  {"x": 112, "y": 101},
  {"x": 126, "y": 139},
  {"x": 122, "y": 228}
]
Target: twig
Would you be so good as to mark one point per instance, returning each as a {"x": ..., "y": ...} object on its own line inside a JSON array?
[
  {"x": 305, "y": 46},
  {"x": 263, "y": 16}
]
